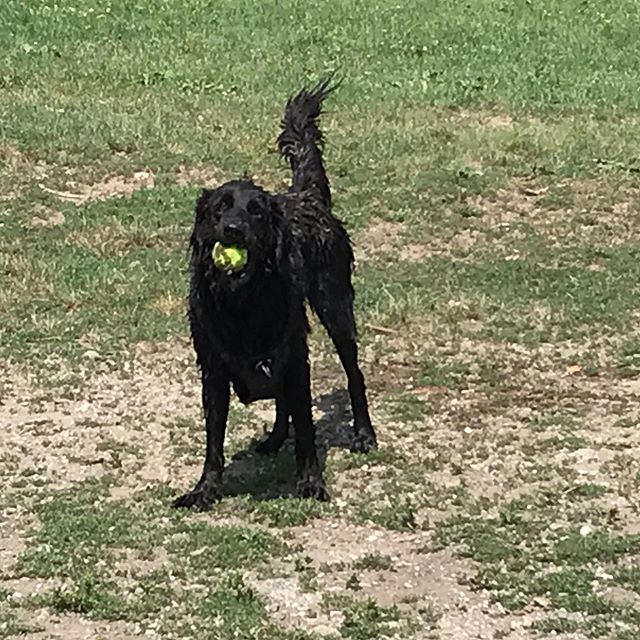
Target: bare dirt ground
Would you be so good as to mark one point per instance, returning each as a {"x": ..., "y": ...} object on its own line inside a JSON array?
[{"x": 127, "y": 414}]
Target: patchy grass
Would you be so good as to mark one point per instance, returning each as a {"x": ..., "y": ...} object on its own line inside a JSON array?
[
  {"x": 367, "y": 620},
  {"x": 83, "y": 528},
  {"x": 373, "y": 562},
  {"x": 485, "y": 161},
  {"x": 534, "y": 551}
]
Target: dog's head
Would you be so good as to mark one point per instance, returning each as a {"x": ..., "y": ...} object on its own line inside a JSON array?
[{"x": 241, "y": 214}]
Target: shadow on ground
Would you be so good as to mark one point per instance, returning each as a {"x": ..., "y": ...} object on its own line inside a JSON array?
[{"x": 274, "y": 476}]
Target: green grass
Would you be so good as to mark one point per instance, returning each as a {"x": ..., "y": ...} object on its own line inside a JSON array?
[
  {"x": 373, "y": 562},
  {"x": 204, "y": 546},
  {"x": 88, "y": 596},
  {"x": 115, "y": 272},
  {"x": 81, "y": 539},
  {"x": 527, "y": 552},
  {"x": 64, "y": 307},
  {"x": 367, "y": 620},
  {"x": 82, "y": 527}
]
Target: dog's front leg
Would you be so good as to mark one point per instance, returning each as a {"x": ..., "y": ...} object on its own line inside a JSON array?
[
  {"x": 297, "y": 400},
  {"x": 215, "y": 401}
]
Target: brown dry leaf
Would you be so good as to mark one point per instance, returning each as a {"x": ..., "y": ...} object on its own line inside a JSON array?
[{"x": 573, "y": 370}]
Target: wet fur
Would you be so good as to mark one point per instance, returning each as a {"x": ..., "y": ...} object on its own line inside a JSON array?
[{"x": 250, "y": 330}]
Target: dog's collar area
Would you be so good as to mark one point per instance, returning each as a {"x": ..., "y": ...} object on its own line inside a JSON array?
[{"x": 265, "y": 367}]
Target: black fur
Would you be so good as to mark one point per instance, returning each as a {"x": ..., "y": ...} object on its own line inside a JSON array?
[{"x": 249, "y": 329}]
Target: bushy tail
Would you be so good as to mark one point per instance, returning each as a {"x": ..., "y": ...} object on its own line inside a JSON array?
[{"x": 300, "y": 140}]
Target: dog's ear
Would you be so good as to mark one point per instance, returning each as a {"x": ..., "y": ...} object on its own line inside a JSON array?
[
  {"x": 201, "y": 204},
  {"x": 197, "y": 240}
]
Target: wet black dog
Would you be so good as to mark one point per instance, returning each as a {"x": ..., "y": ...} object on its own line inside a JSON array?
[{"x": 249, "y": 327}]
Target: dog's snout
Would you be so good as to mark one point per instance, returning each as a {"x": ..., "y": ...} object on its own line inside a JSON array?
[{"x": 233, "y": 231}]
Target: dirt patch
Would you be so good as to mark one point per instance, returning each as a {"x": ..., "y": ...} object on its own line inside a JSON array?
[
  {"x": 199, "y": 176},
  {"x": 76, "y": 627},
  {"x": 415, "y": 252},
  {"x": 27, "y": 587},
  {"x": 505, "y": 221},
  {"x": 490, "y": 119},
  {"x": 579, "y": 211},
  {"x": 381, "y": 236},
  {"x": 490, "y": 442},
  {"x": 500, "y": 121},
  {"x": 116, "y": 186},
  {"x": 414, "y": 579},
  {"x": 47, "y": 218},
  {"x": 169, "y": 304},
  {"x": 293, "y": 608},
  {"x": 499, "y": 222},
  {"x": 19, "y": 172},
  {"x": 507, "y": 205},
  {"x": 12, "y": 544},
  {"x": 129, "y": 563},
  {"x": 484, "y": 441}
]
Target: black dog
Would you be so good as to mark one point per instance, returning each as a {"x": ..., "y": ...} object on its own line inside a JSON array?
[{"x": 249, "y": 327}]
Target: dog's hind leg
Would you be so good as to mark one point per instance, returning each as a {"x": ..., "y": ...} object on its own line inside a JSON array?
[
  {"x": 334, "y": 306},
  {"x": 297, "y": 398},
  {"x": 276, "y": 437}
]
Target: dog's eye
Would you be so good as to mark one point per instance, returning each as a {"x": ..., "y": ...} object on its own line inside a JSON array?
[
  {"x": 225, "y": 203},
  {"x": 254, "y": 208}
]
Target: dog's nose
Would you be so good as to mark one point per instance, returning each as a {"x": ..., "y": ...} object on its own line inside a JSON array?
[{"x": 232, "y": 231}]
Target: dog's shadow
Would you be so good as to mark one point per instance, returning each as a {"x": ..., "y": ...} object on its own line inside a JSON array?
[{"x": 267, "y": 477}]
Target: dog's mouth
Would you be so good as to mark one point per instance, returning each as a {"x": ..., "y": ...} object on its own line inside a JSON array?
[{"x": 231, "y": 259}]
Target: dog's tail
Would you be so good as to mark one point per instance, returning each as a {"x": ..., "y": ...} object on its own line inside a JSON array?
[{"x": 300, "y": 140}]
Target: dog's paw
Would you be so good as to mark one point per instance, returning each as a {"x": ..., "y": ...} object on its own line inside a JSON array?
[
  {"x": 270, "y": 444},
  {"x": 363, "y": 442},
  {"x": 312, "y": 488},
  {"x": 202, "y": 498}
]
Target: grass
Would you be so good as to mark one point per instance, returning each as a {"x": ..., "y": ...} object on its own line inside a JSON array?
[
  {"x": 373, "y": 562},
  {"x": 82, "y": 537},
  {"x": 130, "y": 252},
  {"x": 82, "y": 527},
  {"x": 484, "y": 158},
  {"x": 527, "y": 552},
  {"x": 367, "y": 620}
]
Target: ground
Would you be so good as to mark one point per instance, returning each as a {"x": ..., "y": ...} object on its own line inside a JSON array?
[{"x": 484, "y": 159}]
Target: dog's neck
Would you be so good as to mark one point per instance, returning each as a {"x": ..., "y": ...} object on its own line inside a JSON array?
[
  {"x": 254, "y": 320},
  {"x": 264, "y": 285}
]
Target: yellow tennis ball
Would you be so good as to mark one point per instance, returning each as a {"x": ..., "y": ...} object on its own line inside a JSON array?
[{"x": 229, "y": 258}]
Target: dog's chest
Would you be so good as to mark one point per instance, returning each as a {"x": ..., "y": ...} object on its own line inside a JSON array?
[
  {"x": 256, "y": 337},
  {"x": 257, "y": 379},
  {"x": 256, "y": 356}
]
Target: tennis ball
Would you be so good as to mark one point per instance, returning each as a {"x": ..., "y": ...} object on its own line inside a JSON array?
[{"x": 229, "y": 258}]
